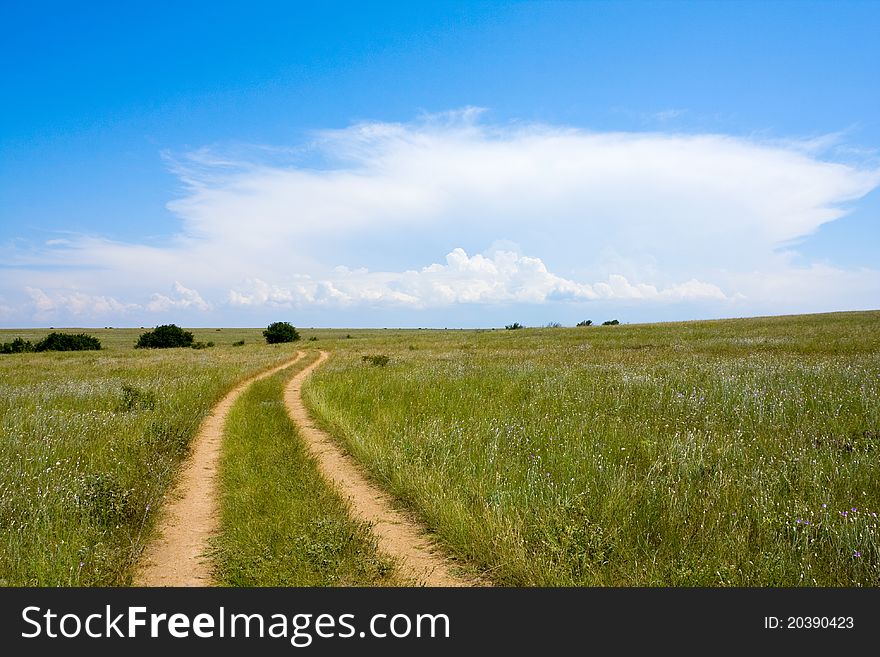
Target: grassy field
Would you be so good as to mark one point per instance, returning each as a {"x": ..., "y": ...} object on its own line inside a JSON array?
[
  {"x": 281, "y": 525},
  {"x": 740, "y": 452},
  {"x": 90, "y": 441}
]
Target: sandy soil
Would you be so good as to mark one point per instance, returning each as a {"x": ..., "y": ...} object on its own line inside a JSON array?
[
  {"x": 399, "y": 536},
  {"x": 190, "y": 515}
]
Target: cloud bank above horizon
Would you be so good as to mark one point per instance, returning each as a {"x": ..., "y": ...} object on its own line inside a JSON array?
[{"x": 451, "y": 211}]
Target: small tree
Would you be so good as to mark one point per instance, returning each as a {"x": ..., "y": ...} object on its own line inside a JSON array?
[
  {"x": 586, "y": 322},
  {"x": 514, "y": 326},
  {"x": 164, "y": 337},
  {"x": 278, "y": 332},
  {"x": 612, "y": 322}
]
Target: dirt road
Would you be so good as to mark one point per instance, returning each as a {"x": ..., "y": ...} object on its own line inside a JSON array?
[
  {"x": 190, "y": 516},
  {"x": 398, "y": 536}
]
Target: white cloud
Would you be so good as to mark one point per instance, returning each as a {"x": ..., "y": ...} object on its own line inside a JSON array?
[
  {"x": 639, "y": 191},
  {"x": 186, "y": 298},
  {"x": 618, "y": 287},
  {"x": 784, "y": 288},
  {"x": 79, "y": 304},
  {"x": 504, "y": 277},
  {"x": 353, "y": 217}
]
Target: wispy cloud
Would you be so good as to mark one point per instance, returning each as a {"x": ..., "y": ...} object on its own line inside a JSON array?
[
  {"x": 696, "y": 218},
  {"x": 669, "y": 114}
]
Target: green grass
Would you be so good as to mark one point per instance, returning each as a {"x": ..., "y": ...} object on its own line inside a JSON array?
[
  {"x": 701, "y": 453},
  {"x": 281, "y": 524},
  {"x": 90, "y": 443},
  {"x": 740, "y": 452}
]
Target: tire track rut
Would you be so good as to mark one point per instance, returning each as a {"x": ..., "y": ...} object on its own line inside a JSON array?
[
  {"x": 190, "y": 516},
  {"x": 406, "y": 541}
]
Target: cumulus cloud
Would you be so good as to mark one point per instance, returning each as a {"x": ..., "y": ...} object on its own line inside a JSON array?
[
  {"x": 504, "y": 277},
  {"x": 618, "y": 287},
  {"x": 354, "y": 216},
  {"x": 47, "y": 305},
  {"x": 186, "y": 298}
]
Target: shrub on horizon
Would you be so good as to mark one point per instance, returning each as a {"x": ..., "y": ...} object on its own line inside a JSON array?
[
  {"x": 17, "y": 346},
  {"x": 53, "y": 342},
  {"x": 68, "y": 342},
  {"x": 165, "y": 337},
  {"x": 278, "y": 332}
]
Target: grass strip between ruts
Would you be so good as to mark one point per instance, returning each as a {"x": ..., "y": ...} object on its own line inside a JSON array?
[{"x": 281, "y": 524}]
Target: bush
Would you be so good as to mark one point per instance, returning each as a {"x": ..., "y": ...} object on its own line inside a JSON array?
[
  {"x": 203, "y": 345},
  {"x": 17, "y": 346},
  {"x": 53, "y": 342},
  {"x": 514, "y": 326},
  {"x": 554, "y": 325},
  {"x": 612, "y": 322},
  {"x": 278, "y": 332},
  {"x": 68, "y": 342},
  {"x": 164, "y": 337},
  {"x": 586, "y": 322},
  {"x": 240, "y": 343},
  {"x": 378, "y": 361}
]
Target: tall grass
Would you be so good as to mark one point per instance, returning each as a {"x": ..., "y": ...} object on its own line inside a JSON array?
[
  {"x": 281, "y": 525},
  {"x": 89, "y": 444},
  {"x": 740, "y": 452}
]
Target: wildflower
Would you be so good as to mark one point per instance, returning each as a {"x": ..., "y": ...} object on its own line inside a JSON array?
[
  {"x": 856, "y": 553},
  {"x": 824, "y": 506}
]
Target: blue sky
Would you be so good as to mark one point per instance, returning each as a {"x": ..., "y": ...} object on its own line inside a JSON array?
[{"x": 436, "y": 164}]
